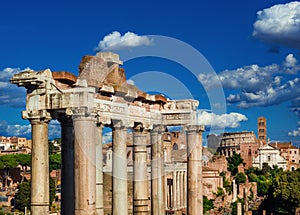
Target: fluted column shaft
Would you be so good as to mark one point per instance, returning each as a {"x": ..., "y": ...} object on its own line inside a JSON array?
[
  {"x": 85, "y": 165},
  {"x": 99, "y": 171},
  {"x": 181, "y": 190},
  {"x": 67, "y": 166},
  {"x": 194, "y": 197},
  {"x": 39, "y": 167},
  {"x": 200, "y": 178},
  {"x": 140, "y": 181},
  {"x": 157, "y": 171},
  {"x": 178, "y": 190},
  {"x": 119, "y": 170},
  {"x": 174, "y": 206},
  {"x": 184, "y": 189}
]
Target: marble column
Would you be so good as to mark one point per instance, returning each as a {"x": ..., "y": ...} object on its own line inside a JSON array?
[
  {"x": 184, "y": 189},
  {"x": 194, "y": 193},
  {"x": 119, "y": 170},
  {"x": 246, "y": 200},
  {"x": 67, "y": 166},
  {"x": 174, "y": 206},
  {"x": 181, "y": 189},
  {"x": 199, "y": 179},
  {"x": 167, "y": 193},
  {"x": 85, "y": 165},
  {"x": 178, "y": 189},
  {"x": 234, "y": 192},
  {"x": 39, "y": 167},
  {"x": 239, "y": 208},
  {"x": 140, "y": 179},
  {"x": 99, "y": 171},
  {"x": 157, "y": 171}
]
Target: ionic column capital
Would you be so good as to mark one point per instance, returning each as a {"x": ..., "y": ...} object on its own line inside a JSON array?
[
  {"x": 158, "y": 129},
  {"x": 37, "y": 117},
  {"x": 119, "y": 125},
  {"x": 194, "y": 128},
  {"x": 82, "y": 112}
]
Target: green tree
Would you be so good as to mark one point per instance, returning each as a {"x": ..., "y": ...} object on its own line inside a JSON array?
[
  {"x": 233, "y": 162},
  {"x": 54, "y": 162},
  {"x": 286, "y": 189},
  {"x": 263, "y": 177},
  {"x": 240, "y": 178},
  {"x": 226, "y": 183},
  {"x": 52, "y": 190},
  {"x": 22, "y": 197},
  {"x": 220, "y": 192},
  {"x": 7, "y": 162},
  {"x": 207, "y": 204},
  {"x": 25, "y": 161}
]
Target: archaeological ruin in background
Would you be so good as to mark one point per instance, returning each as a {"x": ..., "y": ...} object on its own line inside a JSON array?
[{"x": 98, "y": 97}]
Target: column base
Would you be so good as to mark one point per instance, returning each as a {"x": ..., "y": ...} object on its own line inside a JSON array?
[
  {"x": 85, "y": 212},
  {"x": 140, "y": 206},
  {"x": 39, "y": 208}
]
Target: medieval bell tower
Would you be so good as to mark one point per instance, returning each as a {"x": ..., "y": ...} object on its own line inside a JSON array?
[{"x": 262, "y": 129}]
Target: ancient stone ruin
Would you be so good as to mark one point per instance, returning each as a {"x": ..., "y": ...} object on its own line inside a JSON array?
[{"x": 98, "y": 97}]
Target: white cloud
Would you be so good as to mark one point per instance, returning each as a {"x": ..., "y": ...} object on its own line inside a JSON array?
[
  {"x": 14, "y": 130},
  {"x": 294, "y": 133},
  {"x": 277, "y": 80},
  {"x": 107, "y": 137},
  {"x": 54, "y": 130},
  {"x": 116, "y": 41},
  {"x": 231, "y": 120},
  {"x": 258, "y": 86},
  {"x": 249, "y": 78},
  {"x": 18, "y": 130},
  {"x": 290, "y": 61},
  {"x": 11, "y": 95},
  {"x": 270, "y": 95},
  {"x": 279, "y": 24}
]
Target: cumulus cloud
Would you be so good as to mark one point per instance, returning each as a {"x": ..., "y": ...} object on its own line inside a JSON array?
[
  {"x": 11, "y": 95},
  {"x": 54, "y": 130},
  {"x": 290, "y": 61},
  {"x": 271, "y": 95},
  {"x": 231, "y": 120},
  {"x": 279, "y": 24},
  {"x": 116, "y": 41},
  {"x": 18, "y": 130},
  {"x": 294, "y": 133},
  {"x": 258, "y": 86},
  {"x": 249, "y": 78}
]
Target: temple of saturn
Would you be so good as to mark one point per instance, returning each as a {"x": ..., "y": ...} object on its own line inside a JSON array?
[{"x": 99, "y": 97}]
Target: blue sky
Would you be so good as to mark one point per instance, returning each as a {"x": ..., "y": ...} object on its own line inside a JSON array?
[{"x": 255, "y": 54}]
